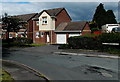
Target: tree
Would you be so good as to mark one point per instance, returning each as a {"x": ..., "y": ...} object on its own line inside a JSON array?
[
  {"x": 99, "y": 15},
  {"x": 10, "y": 24},
  {"x": 110, "y": 17},
  {"x": 102, "y": 17}
]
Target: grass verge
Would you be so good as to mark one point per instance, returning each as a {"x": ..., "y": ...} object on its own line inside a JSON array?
[
  {"x": 5, "y": 76},
  {"x": 13, "y": 44}
]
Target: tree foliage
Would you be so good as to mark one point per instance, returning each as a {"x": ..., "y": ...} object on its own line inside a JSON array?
[
  {"x": 10, "y": 24},
  {"x": 110, "y": 17},
  {"x": 102, "y": 17}
]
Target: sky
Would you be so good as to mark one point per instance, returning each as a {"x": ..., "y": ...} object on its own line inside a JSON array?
[{"x": 79, "y": 11}]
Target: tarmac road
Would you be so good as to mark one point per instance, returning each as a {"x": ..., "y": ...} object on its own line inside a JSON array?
[{"x": 64, "y": 67}]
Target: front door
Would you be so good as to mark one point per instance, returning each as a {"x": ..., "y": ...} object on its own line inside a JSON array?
[{"x": 48, "y": 37}]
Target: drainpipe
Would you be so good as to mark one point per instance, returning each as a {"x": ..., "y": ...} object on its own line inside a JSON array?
[
  {"x": 51, "y": 36},
  {"x": 33, "y": 31}
]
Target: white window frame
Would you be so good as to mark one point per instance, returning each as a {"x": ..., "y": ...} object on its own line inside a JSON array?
[
  {"x": 41, "y": 34},
  {"x": 10, "y": 35},
  {"x": 44, "y": 20},
  {"x": 37, "y": 34}
]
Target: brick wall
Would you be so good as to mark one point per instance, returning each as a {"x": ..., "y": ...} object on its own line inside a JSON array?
[
  {"x": 40, "y": 40},
  {"x": 30, "y": 29},
  {"x": 86, "y": 29},
  {"x": 62, "y": 17}
]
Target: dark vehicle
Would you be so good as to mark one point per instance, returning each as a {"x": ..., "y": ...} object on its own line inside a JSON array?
[{"x": 116, "y": 29}]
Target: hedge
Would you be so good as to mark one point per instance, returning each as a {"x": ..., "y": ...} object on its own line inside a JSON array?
[
  {"x": 22, "y": 40},
  {"x": 83, "y": 42},
  {"x": 94, "y": 42},
  {"x": 109, "y": 38}
]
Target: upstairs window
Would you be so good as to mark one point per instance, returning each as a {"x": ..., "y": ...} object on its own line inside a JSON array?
[{"x": 44, "y": 20}]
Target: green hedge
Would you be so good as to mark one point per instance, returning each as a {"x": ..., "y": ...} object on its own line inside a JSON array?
[
  {"x": 94, "y": 42},
  {"x": 22, "y": 40},
  {"x": 109, "y": 38},
  {"x": 95, "y": 29},
  {"x": 83, "y": 42}
]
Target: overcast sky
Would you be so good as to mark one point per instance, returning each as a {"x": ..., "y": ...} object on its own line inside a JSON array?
[{"x": 79, "y": 11}]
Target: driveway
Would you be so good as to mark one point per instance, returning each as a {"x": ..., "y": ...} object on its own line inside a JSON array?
[{"x": 64, "y": 67}]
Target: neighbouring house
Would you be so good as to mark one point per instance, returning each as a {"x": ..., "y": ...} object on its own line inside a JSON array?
[
  {"x": 108, "y": 27},
  {"x": 54, "y": 26},
  {"x": 46, "y": 22},
  {"x": 24, "y": 30}
]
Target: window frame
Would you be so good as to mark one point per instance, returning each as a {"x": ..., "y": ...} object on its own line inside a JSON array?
[
  {"x": 44, "y": 20},
  {"x": 37, "y": 34}
]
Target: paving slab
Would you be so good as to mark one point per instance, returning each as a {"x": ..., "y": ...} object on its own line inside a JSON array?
[{"x": 20, "y": 72}]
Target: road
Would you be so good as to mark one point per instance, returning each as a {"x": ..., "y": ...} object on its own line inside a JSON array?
[{"x": 64, "y": 67}]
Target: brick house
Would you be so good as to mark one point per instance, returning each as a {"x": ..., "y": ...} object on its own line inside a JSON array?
[
  {"x": 24, "y": 28},
  {"x": 46, "y": 22},
  {"x": 54, "y": 26},
  {"x": 51, "y": 26}
]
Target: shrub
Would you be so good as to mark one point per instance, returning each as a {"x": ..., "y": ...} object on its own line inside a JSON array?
[
  {"x": 95, "y": 29},
  {"x": 64, "y": 46},
  {"x": 83, "y": 42},
  {"x": 21, "y": 41},
  {"x": 109, "y": 38},
  {"x": 94, "y": 41}
]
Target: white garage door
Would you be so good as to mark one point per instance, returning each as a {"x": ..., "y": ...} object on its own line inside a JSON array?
[
  {"x": 72, "y": 35},
  {"x": 61, "y": 38}
]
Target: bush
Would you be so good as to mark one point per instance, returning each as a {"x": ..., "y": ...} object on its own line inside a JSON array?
[
  {"x": 109, "y": 38},
  {"x": 95, "y": 29},
  {"x": 83, "y": 42},
  {"x": 22, "y": 41},
  {"x": 95, "y": 41},
  {"x": 64, "y": 46}
]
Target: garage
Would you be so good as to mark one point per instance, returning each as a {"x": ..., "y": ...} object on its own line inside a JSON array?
[{"x": 61, "y": 38}]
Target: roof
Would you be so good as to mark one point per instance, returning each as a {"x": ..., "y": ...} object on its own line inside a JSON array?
[
  {"x": 25, "y": 17},
  {"x": 71, "y": 26},
  {"x": 52, "y": 12}
]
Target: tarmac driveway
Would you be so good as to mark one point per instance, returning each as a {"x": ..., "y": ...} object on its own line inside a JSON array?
[{"x": 64, "y": 67}]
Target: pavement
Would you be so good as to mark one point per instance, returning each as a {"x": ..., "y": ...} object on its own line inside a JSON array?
[
  {"x": 88, "y": 53},
  {"x": 21, "y": 72},
  {"x": 56, "y": 66}
]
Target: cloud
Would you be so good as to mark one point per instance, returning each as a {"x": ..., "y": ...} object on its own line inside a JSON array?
[
  {"x": 77, "y": 10},
  {"x": 60, "y": 1}
]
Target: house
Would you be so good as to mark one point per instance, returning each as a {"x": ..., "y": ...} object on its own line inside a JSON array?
[
  {"x": 51, "y": 26},
  {"x": 54, "y": 26},
  {"x": 108, "y": 27},
  {"x": 66, "y": 30},
  {"x": 46, "y": 22},
  {"x": 24, "y": 30}
]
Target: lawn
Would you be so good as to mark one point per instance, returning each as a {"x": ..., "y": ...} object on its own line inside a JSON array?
[
  {"x": 14, "y": 44},
  {"x": 5, "y": 76}
]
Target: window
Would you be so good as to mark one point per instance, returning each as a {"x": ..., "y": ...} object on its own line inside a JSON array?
[
  {"x": 44, "y": 20},
  {"x": 10, "y": 35},
  {"x": 37, "y": 23},
  {"x": 41, "y": 34},
  {"x": 37, "y": 34}
]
